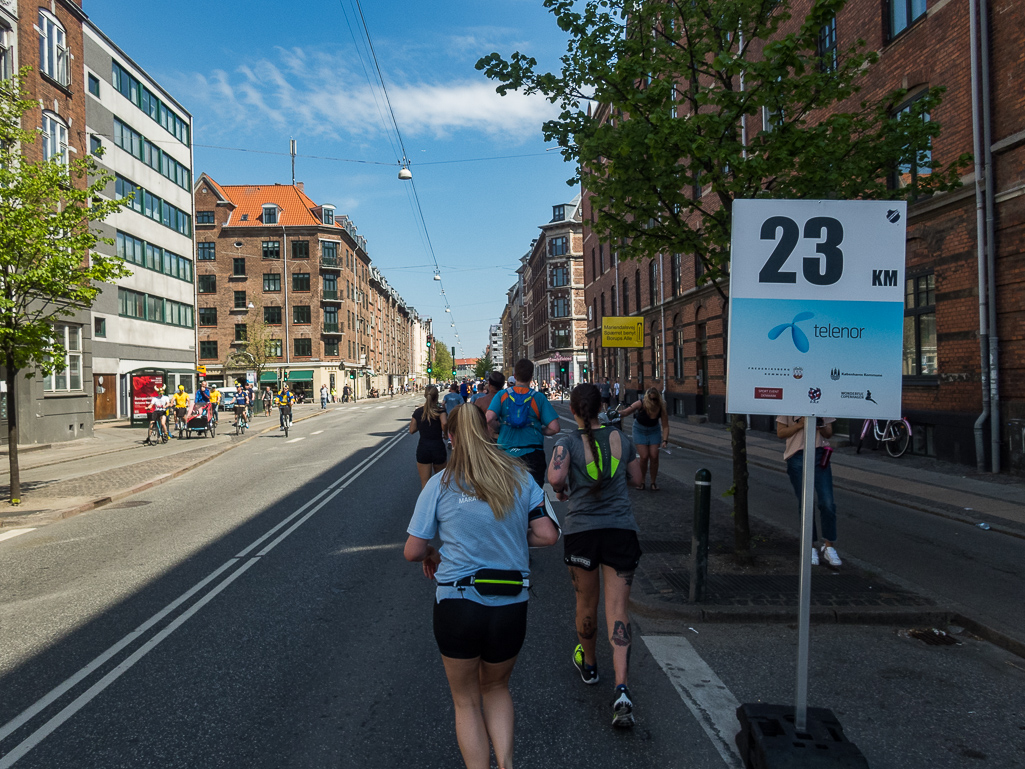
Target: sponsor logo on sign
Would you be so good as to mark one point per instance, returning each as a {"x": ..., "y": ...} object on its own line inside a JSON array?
[
  {"x": 834, "y": 374},
  {"x": 814, "y": 394},
  {"x": 799, "y": 338},
  {"x": 769, "y": 393},
  {"x": 851, "y": 394},
  {"x": 798, "y": 372},
  {"x": 892, "y": 216}
]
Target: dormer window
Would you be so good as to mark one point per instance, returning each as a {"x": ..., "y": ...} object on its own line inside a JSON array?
[
  {"x": 328, "y": 214},
  {"x": 558, "y": 213},
  {"x": 270, "y": 213}
]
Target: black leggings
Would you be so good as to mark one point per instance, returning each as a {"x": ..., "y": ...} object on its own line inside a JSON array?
[{"x": 465, "y": 629}]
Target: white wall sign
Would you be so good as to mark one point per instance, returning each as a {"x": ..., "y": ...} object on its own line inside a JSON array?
[{"x": 816, "y": 308}]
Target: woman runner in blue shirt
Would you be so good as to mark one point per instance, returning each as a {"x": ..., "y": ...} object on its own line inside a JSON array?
[{"x": 487, "y": 511}]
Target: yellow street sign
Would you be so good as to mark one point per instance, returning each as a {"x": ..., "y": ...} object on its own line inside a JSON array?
[
  {"x": 201, "y": 370},
  {"x": 622, "y": 332}
]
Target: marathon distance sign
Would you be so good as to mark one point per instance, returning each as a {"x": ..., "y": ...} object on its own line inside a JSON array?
[{"x": 816, "y": 308}]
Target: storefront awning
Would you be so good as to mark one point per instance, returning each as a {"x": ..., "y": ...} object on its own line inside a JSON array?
[
  {"x": 268, "y": 376},
  {"x": 299, "y": 376}
]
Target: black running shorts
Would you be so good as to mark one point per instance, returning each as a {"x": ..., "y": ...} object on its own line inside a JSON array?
[
  {"x": 465, "y": 629},
  {"x": 536, "y": 465},
  {"x": 431, "y": 453},
  {"x": 617, "y": 548}
]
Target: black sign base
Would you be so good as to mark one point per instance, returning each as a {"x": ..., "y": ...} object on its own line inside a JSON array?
[{"x": 769, "y": 740}]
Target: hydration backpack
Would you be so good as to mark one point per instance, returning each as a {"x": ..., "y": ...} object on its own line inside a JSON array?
[{"x": 521, "y": 406}]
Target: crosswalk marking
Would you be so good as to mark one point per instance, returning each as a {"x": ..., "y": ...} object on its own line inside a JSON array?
[
  {"x": 709, "y": 701},
  {"x": 14, "y": 533}
]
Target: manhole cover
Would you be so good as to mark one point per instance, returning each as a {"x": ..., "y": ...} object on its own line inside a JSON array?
[
  {"x": 126, "y": 505},
  {"x": 931, "y": 636}
]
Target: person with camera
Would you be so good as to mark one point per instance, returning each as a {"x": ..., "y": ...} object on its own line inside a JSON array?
[
  {"x": 792, "y": 429},
  {"x": 487, "y": 511}
]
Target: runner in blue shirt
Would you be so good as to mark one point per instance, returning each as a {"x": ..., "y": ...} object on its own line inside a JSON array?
[{"x": 523, "y": 417}]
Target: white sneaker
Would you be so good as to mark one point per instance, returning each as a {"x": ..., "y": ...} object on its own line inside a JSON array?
[
  {"x": 829, "y": 553},
  {"x": 814, "y": 557}
]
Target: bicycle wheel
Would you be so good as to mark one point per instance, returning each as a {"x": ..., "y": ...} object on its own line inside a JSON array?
[
  {"x": 287, "y": 423},
  {"x": 898, "y": 444}
]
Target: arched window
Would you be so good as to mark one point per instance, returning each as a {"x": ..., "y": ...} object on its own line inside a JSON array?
[
  {"x": 652, "y": 283},
  {"x": 626, "y": 296},
  {"x": 637, "y": 289},
  {"x": 6, "y": 52},
  {"x": 53, "y": 49},
  {"x": 677, "y": 347},
  {"x": 656, "y": 352},
  {"x": 55, "y": 138}
]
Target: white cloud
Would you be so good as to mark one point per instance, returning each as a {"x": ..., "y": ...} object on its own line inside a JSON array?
[{"x": 317, "y": 94}]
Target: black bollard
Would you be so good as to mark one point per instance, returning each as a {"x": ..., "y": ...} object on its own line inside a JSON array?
[{"x": 699, "y": 543}]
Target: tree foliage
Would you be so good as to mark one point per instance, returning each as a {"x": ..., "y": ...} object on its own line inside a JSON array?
[
  {"x": 48, "y": 268},
  {"x": 443, "y": 363},
  {"x": 483, "y": 366},
  {"x": 254, "y": 352}
]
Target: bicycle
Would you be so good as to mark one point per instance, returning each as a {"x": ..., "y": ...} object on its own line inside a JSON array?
[
  {"x": 287, "y": 413},
  {"x": 241, "y": 423},
  {"x": 896, "y": 434},
  {"x": 156, "y": 433}
]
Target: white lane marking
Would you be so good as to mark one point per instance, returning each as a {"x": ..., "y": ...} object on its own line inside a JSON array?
[
  {"x": 14, "y": 533},
  {"x": 293, "y": 440},
  {"x": 707, "y": 698},
  {"x": 368, "y": 548},
  {"x": 318, "y": 432},
  {"x": 83, "y": 699},
  {"x": 18, "y": 721}
]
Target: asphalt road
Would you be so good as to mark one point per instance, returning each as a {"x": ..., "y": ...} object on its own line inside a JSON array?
[{"x": 257, "y": 612}]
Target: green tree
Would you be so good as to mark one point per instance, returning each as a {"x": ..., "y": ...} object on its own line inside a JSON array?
[
  {"x": 661, "y": 106},
  {"x": 483, "y": 366},
  {"x": 443, "y": 363},
  {"x": 254, "y": 352},
  {"x": 48, "y": 268}
]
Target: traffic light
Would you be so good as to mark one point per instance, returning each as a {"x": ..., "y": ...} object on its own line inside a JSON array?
[
  {"x": 453, "y": 372},
  {"x": 430, "y": 370},
  {"x": 428, "y": 343},
  {"x": 352, "y": 375},
  {"x": 562, "y": 369}
]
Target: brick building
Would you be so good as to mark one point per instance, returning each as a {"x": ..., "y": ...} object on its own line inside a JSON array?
[
  {"x": 272, "y": 250},
  {"x": 946, "y": 360},
  {"x": 48, "y": 39},
  {"x": 553, "y": 298}
]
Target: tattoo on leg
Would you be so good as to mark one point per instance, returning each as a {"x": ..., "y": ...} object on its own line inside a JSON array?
[
  {"x": 627, "y": 576},
  {"x": 588, "y": 628},
  {"x": 621, "y": 633}
]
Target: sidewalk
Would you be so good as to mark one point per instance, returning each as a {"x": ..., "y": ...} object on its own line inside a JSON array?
[{"x": 65, "y": 479}]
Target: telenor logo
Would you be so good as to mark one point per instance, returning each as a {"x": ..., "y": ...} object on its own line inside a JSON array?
[{"x": 799, "y": 337}]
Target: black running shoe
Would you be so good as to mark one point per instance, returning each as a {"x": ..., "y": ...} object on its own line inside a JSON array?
[
  {"x": 622, "y": 708},
  {"x": 588, "y": 673}
]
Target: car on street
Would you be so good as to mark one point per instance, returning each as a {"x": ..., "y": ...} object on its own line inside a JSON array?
[{"x": 227, "y": 398}]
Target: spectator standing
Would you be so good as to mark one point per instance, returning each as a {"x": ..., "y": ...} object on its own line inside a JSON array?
[
  {"x": 606, "y": 393},
  {"x": 650, "y": 431},
  {"x": 268, "y": 400},
  {"x": 323, "y": 396}
]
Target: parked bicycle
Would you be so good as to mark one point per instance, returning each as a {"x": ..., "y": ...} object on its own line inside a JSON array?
[{"x": 896, "y": 434}]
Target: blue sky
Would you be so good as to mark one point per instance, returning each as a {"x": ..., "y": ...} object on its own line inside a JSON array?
[{"x": 253, "y": 77}]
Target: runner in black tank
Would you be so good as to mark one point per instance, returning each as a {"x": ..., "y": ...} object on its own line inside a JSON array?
[{"x": 430, "y": 421}]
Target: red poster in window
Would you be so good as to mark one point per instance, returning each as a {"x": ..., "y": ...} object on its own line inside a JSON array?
[{"x": 143, "y": 389}]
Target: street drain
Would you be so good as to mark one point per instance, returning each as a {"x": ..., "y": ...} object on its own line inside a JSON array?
[{"x": 931, "y": 636}]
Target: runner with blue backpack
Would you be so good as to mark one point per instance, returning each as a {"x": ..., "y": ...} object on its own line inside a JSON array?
[{"x": 523, "y": 417}]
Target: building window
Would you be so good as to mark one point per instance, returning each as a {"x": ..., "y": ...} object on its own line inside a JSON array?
[
  {"x": 652, "y": 283},
  {"x": 206, "y": 252},
  {"x": 558, "y": 213},
  {"x": 272, "y": 281},
  {"x": 328, "y": 215},
  {"x": 53, "y": 49},
  {"x": 919, "y": 165},
  {"x": 94, "y": 85},
  {"x": 301, "y": 281},
  {"x": 903, "y": 13},
  {"x": 208, "y": 316},
  {"x": 208, "y": 349},
  {"x": 594, "y": 265},
  {"x": 637, "y": 289},
  {"x": 272, "y": 249},
  {"x": 207, "y": 284},
  {"x": 561, "y": 339},
  {"x": 303, "y": 347},
  {"x": 100, "y": 328},
  {"x": 204, "y": 217},
  {"x": 675, "y": 265},
  {"x": 920, "y": 355},
  {"x": 270, "y": 214},
  {"x": 560, "y": 276},
  {"x": 331, "y": 319},
  {"x": 560, "y": 307},
  {"x": 677, "y": 348},
  {"x": 274, "y": 348},
  {"x": 601, "y": 257},
  {"x": 96, "y": 145},
  {"x": 329, "y": 253},
  {"x": 301, "y": 314},
  {"x": 558, "y": 246},
  {"x": 301, "y": 249},
  {"x": 6, "y": 52},
  {"x": 626, "y": 296},
  {"x": 602, "y": 306},
  {"x": 656, "y": 353},
  {"x": 55, "y": 139},
  {"x": 240, "y": 301},
  {"x": 331, "y": 349},
  {"x": 240, "y": 332},
  {"x": 238, "y": 266},
  {"x": 827, "y": 46},
  {"x": 272, "y": 316},
  {"x": 330, "y": 286},
  {"x": 613, "y": 300}
]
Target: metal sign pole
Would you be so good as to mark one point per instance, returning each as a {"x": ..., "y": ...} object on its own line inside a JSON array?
[{"x": 804, "y": 595}]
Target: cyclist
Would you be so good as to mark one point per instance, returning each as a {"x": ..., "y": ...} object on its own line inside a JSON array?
[
  {"x": 157, "y": 411},
  {"x": 284, "y": 400},
  {"x": 215, "y": 400},
  {"x": 181, "y": 406},
  {"x": 241, "y": 404}
]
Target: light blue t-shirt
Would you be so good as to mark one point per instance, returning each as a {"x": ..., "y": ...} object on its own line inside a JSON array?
[
  {"x": 472, "y": 538},
  {"x": 517, "y": 441},
  {"x": 451, "y": 400}
]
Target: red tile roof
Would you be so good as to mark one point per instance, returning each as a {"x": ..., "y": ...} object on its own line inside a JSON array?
[{"x": 295, "y": 208}]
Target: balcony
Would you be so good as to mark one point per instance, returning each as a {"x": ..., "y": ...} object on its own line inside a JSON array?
[
  {"x": 332, "y": 262},
  {"x": 331, "y": 328},
  {"x": 328, "y": 295}
]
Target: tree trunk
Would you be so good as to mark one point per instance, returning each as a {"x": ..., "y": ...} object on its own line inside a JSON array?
[
  {"x": 741, "y": 525},
  {"x": 12, "y": 436}
]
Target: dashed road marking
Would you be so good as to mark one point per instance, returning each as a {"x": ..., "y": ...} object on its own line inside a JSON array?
[
  {"x": 318, "y": 432},
  {"x": 294, "y": 440},
  {"x": 709, "y": 701},
  {"x": 14, "y": 533}
]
